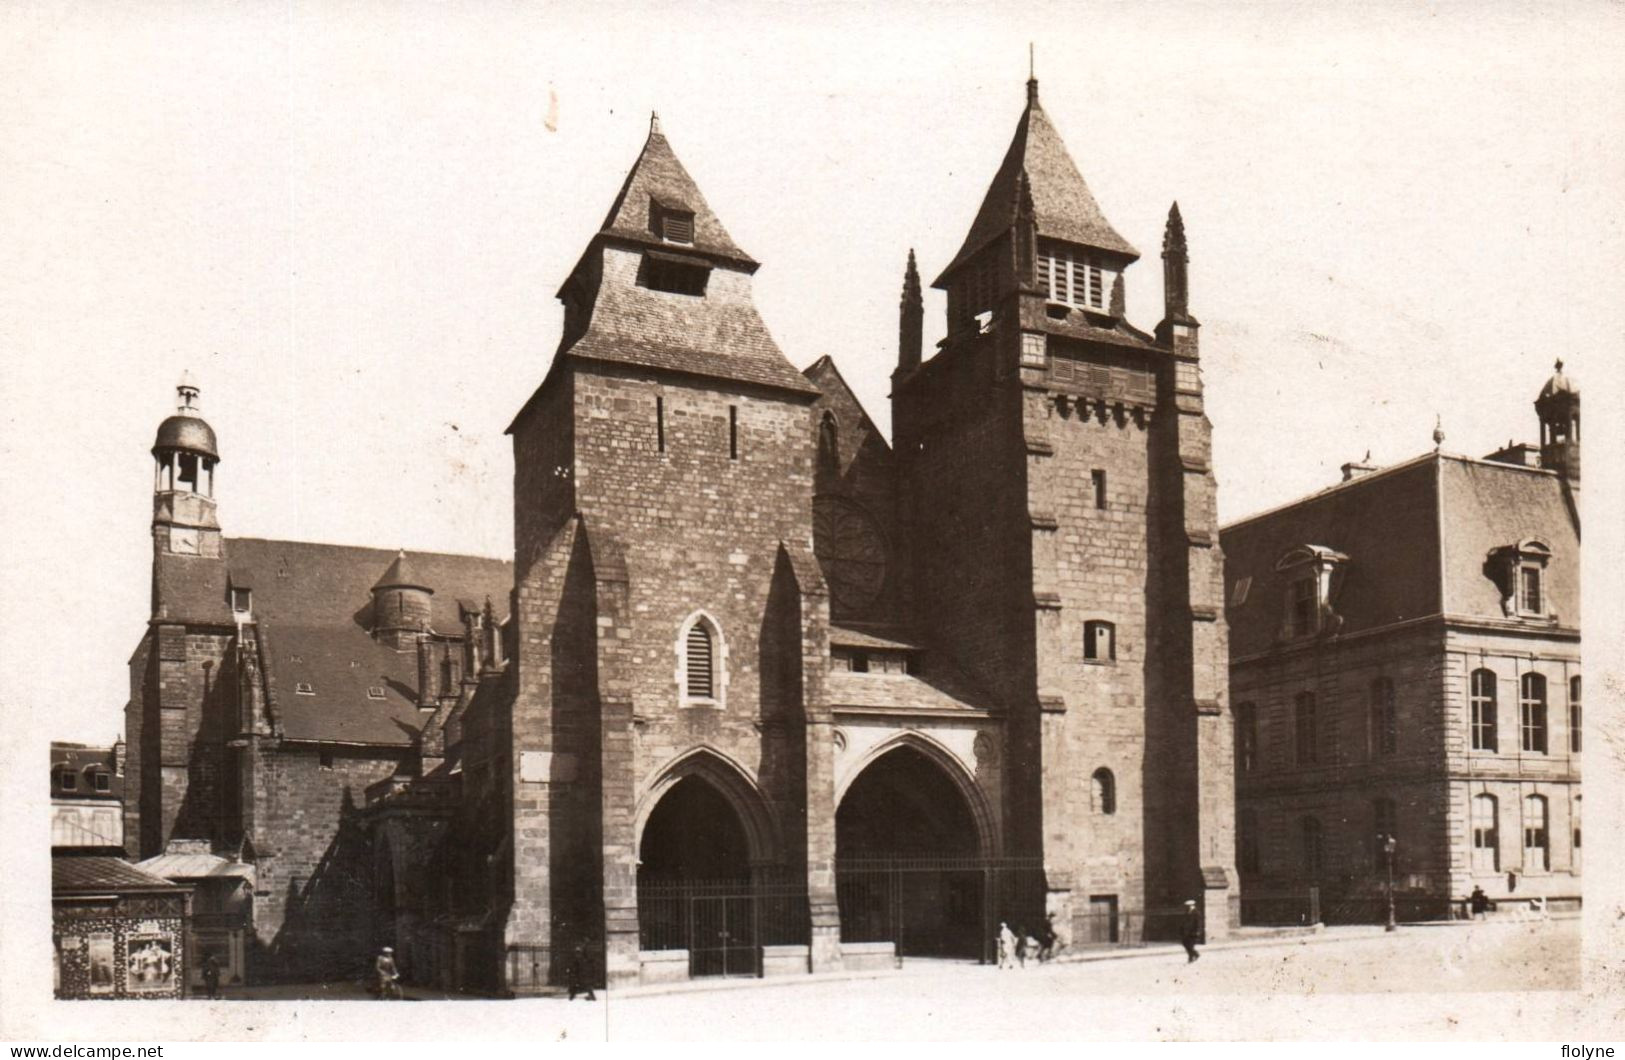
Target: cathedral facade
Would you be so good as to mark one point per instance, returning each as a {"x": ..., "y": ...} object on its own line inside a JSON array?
[{"x": 759, "y": 692}]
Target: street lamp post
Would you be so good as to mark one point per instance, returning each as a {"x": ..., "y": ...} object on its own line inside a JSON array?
[{"x": 1388, "y": 845}]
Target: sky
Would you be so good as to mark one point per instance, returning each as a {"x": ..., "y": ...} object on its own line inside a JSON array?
[{"x": 349, "y": 223}]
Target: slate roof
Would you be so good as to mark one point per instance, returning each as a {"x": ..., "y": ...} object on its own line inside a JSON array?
[
  {"x": 850, "y": 637},
  {"x": 78, "y": 758},
  {"x": 312, "y": 603},
  {"x": 719, "y": 335},
  {"x": 78, "y": 874},
  {"x": 1417, "y": 536},
  {"x": 902, "y": 692},
  {"x": 1065, "y": 208},
  {"x": 194, "y": 867},
  {"x": 658, "y": 177}
]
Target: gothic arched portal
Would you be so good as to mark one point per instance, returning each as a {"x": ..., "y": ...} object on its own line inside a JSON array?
[{"x": 907, "y": 853}]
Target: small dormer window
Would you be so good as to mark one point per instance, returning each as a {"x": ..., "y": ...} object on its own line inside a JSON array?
[
  {"x": 1074, "y": 277},
  {"x": 375, "y": 692},
  {"x": 103, "y": 781},
  {"x": 303, "y": 688},
  {"x": 1520, "y": 570},
  {"x": 671, "y": 222},
  {"x": 69, "y": 781},
  {"x": 1312, "y": 574},
  {"x": 242, "y": 601}
]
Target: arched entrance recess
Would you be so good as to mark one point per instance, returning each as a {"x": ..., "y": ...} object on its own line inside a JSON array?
[
  {"x": 703, "y": 836},
  {"x": 912, "y": 837}
]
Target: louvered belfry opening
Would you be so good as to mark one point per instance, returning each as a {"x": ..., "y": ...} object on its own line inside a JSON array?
[{"x": 701, "y": 682}]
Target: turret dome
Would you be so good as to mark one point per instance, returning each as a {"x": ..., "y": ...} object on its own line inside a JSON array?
[{"x": 191, "y": 433}]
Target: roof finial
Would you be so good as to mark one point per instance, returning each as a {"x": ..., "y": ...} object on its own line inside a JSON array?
[
  {"x": 1032, "y": 76},
  {"x": 1438, "y": 432},
  {"x": 1559, "y": 365},
  {"x": 187, "y": 389},
  {"x": 654, "y": 123}
]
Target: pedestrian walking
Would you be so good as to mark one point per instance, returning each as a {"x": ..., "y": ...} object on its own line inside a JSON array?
[
  {"x": 1480, "y": 903},
  {"x": 389, "y": 977},
  {"x": 581, "y": 976},
  {"x": 211, "y": 976},
  {"x": 1046, "y": 939},
  {"x": 1021, "y": 946},
  {"x": 1192, "y": 933},
  {"x": 1007, "y": 946}
]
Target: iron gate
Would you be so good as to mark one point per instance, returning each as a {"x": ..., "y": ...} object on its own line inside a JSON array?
[
  {"x": 939, "y": 906},
  {"x": 723, "y": 924}
]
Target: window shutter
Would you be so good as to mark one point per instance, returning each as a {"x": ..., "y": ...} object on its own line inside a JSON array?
[{"x": 700, "y": 682}]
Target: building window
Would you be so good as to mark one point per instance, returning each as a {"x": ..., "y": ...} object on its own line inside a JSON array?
[
  {"x": 860, "y": 662},
  {"x": 1384, "y": 735},
  {"x": 733, "y": 432},
  {"x": 1246, "y": 738},
  {"x": 1239, "y": 591},
  {"x": 303, "y": 688},
  {"x": 103, "y": 780},
  {"x": 1097, "y": 480},
  {"x": 1099, "y": 641},
  {"x": 1302, "y": 607},
  {"x": 1307, "y": 738},
  {"x": 1537, "y": 853},
  {"x": 375, "y": 692},
  {"x": 669, "y": 273},
  {"x": 1074, "y": 277},
  {"x": 324, "y": 760},
  {"x": 1481, "y": 699},
  {"x": 1529, "y": 590},
  {"x": 829, "y": 446},
  {"x": 1314, "y": 846},
  {"x": 1247, "y": 841},
  {"x": 1103, "y": 792},
  {"x": 660, "y": 423},
  {"x": 700, "y": 656},
  {"x": 1574, "y": 715},
  {"x": 1486, "y": 842},
  {"x": 1384, "y": 824},
  {"x": 242, "y": 601},
  {"x": 1532, "y": 704},
  {"x": 1312, "y": 575},
  {"x": 675, "y": 225},
  {"x": 67, "y": 780},
  {"x": 1574, "y": 858}
]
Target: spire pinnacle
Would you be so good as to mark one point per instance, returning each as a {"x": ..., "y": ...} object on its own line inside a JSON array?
[
  {"x": 187, "y": 392},
  {"x": 911, "y": 281},
  {"x": 654, "y": 123},
  {"x": 1175, "y": 276},
  {"x": 910, "y": 318},
  {"x": 1032, "y": 77}
]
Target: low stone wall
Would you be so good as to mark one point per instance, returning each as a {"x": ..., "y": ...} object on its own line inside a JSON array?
[
  {"x": 786, "y": 960},
  {"x": 868, "y": 956},
  {"x": 662, "y": 966}
]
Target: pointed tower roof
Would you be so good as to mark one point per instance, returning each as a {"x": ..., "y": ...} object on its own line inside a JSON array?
[
  {"x": 1064, "y": 206},
  {"x": 659, "y": 181},
  {"x": 400, "y": 576}
]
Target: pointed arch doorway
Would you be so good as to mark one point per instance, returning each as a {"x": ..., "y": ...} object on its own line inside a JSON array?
[
  {"x": 910, "y": 846},
  {"x": 701, "y": 852}
]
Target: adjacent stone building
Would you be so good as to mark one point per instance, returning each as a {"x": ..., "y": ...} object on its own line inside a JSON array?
[
  {"x": 760, "y": 693},
  {"x": 1406, "y": 665},
  {"x": 87, "y": 797}
]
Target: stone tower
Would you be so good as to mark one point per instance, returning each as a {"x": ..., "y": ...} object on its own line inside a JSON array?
[
  {"x": 177, "y": 785},
  {"x": 665, "y": 593},
  {"x": 1057, "y": 487}
]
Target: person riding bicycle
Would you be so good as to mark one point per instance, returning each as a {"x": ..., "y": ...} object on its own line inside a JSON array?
[{"x": 388, "y": 975}]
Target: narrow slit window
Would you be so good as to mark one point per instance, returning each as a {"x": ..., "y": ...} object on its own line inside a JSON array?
[
  {"x": 1099, "y": 641},
  {"x": 733, "y": 432},
  {"x": 1097, "y": 480},
  {"x": 660, "y": 423},
  {"x": 1574, "y": 715}
]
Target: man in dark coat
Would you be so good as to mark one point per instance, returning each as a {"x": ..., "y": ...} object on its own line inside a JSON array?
[
  {"x": 1480, "y": 903},
  {"x": 1192, "y": 933},
  {"x": 581, "y": 976},
  {"x": 211, "y": 975}
]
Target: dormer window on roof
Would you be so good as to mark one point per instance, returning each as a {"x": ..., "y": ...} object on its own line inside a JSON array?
[
  {"x": 672, "y": 223},
  {"x": 1074, "y": 277},
  {"x": 1312, "y": 575},
  {"x": 303, "y": 688},
  {"x": 1520, "y": 573},
  {"x": 375, "y": 692}
]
